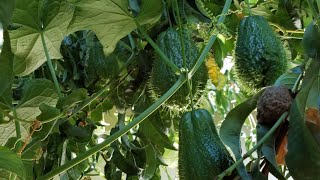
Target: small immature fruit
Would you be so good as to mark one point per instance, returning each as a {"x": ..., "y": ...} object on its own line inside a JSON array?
[
  {"x": 202, "y": 155},
  {"x": 272, "y": 104},
  {"x": 260, "y": 57},
  {"x": 162, "y": 77}
]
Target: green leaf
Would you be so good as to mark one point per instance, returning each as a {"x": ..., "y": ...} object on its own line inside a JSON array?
[
  {"x": 6, "y": 72},
  {"x": 34, "y": 17},
  {"x": 231, "y": 128},
  {"x": 155, "y": 135},
  {"x": 48, "y": 113},
  {"x": 10, "y": 161},
  {"x": 123, "y": 163},
  {"x": 110, "y": 19},
  {"x": 96, "y": 114},
  {"x": 150, "y": 12},
  {"x": 76, "y": 96},
  {"x": 268, "y": 150},
  {"x": 151, "y": 162},
  {"x": 6, "y": 9},
  {"x": 35, "y": 93},
  {"x": 29, "y": 169},
  {"x": 303, "y": 154},
  {"x": 9, "y": 130},
  {"x": 289, "y": 78},
  {"x": 81, "y": 134}
]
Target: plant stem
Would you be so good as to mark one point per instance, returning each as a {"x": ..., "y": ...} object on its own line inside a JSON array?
[
  {"x": 49, "y": 62},
  {"x": 182, "y": 79},
  {"x": 118, "y": 134},
  {"x": 313, "y": 9},
  {"x": 265, "y": 137},
  {"x": 176, "y": 9},
  {"x": 16, "y": 123},
  {"x": 249, "y": 9},
  {"x": 173, "y": 67},
  {"x": 207, "y": 48}
]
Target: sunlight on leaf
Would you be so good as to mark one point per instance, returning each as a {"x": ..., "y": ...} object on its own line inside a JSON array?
[{"x": 33, "y": 17}]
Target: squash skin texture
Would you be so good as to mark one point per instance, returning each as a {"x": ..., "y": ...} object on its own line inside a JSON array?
[
  {"x": 202, "y": 154},
  {"x": 260, "y": 57},
  {"x": 162, "y": 77}
]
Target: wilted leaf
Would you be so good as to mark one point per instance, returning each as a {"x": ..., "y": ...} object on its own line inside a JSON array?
[
  {"x": 34, "y": 17},
  {"x": 231, "y": 128},
  {"x": 11, "y": 162},
  {"x": 282, "y": 151}
]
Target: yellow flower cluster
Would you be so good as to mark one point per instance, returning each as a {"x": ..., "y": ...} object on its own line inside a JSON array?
[{"x": 217, "y": 78}]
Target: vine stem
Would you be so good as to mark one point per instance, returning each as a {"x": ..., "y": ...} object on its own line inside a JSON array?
[
  {"x": 212, "y": 39},
  {"x": 16, "y": 123},
  {"x": 246, "y": 155},
  {"x": 184, "y": 58},
  {"x": 182, "y": 79},
  {"x": 249, "y": 9},
  {"x": 49, "y": 62},
  {"x": 119, "y": 133},
  {"x": 173, "y": 67}
]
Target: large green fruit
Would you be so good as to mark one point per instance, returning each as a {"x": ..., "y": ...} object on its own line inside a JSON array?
[
  {"x": 162, "y": 77},
  {"x": 260, "y": 57},
  {"x": 202, "y": 155}
]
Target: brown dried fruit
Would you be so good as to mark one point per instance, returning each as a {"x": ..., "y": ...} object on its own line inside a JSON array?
[{"x": 272, "y": 104}]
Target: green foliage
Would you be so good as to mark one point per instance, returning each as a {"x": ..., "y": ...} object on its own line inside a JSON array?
[
  {"x": 231, "y": 128},
  {"x": 162, "y": 77},
  {"x": 303, "y": 150},
  {"x": 260, "y": 58},
  {"x": 85, "y": 90},
  {"x": 11, "y": 162},
  {"x": 202, "y": 155},
  {"x": 6, "y": 74},
  {"x": 6, "y": 10},
  {"x": 310, "y": 44}
]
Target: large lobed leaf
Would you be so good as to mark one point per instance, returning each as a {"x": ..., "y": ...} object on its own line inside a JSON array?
[
  {"x": 109, "y": 19},
  {"x": 33, "y": 17}
]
